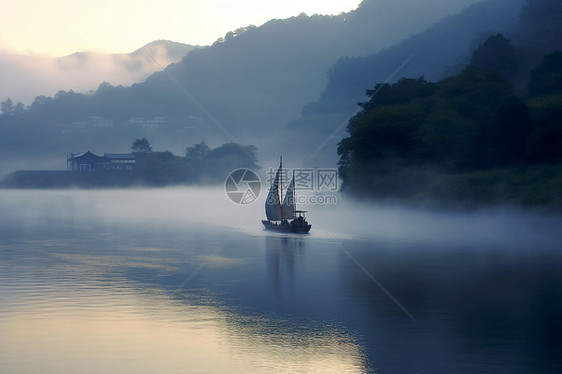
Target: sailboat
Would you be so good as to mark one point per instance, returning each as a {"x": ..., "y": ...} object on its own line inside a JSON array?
[{"x": 281, "y": 212}]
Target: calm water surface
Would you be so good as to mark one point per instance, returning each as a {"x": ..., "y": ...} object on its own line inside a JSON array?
[{"x": 184, "y": 281}]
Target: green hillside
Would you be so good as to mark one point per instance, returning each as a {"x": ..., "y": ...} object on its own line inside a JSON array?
[{"x": 469, "y": 137}]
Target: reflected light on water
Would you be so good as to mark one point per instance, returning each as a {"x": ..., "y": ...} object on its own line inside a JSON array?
[
  {"x": 183, "y": 280},
  {"x": 122, "y": 333},
  {"x": 87, "y": 286}
]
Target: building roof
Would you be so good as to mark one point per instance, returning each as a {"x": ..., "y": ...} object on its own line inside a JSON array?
[
  {"x": 111, "y": 156},
  {"x": 87, "y": 154},
  {"x": 120, "y": 156}
]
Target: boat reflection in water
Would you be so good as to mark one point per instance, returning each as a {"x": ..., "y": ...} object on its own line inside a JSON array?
[
  {"x": 79, "y": 295},
  {"x": 282, "y": 255}
]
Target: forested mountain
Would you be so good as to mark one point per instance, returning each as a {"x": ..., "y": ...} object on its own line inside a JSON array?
[
  {"x": 442, "y": 50},
  {"x": 242, "y": 88},
  {"x": 258, "y": 79},
  {"x": 25, "y": 77},
  {"x": 480, "y": 135}
]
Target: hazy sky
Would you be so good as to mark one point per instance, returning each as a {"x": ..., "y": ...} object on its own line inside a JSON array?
[{"x": 61, "y": 27}]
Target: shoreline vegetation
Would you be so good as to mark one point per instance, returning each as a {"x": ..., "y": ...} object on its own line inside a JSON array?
[
  {"x": 469, "y": 139},
  {"x": 201, "y": 165},
  {"x": 536, "y": 187},
  {"x": 61, "y": 179}
]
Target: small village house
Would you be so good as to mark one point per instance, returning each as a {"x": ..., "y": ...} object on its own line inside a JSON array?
[{"x": 89, "y": 162}]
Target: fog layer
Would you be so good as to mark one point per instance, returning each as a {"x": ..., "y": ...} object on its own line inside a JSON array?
[
  {"x": 24, "y": 77},
  {"x": 174, "y": 208}
]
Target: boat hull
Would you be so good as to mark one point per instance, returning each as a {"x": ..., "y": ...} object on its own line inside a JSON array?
[{"x": 289, "y": 227}]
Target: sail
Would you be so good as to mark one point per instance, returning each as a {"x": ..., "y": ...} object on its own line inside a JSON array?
[
  {"x": 273, "y": 203},
  {"x": 288, "y": 206}
]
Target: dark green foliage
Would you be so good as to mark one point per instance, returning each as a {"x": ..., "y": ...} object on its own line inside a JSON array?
[
  {"x": 162, "y": 168},
  {"x": 201, "y": 164},
  {"x": 530, "y": 186},
  {"x": 475, "y": 93},
  {"x": 141, "y": 146},
  {"x": 376, "y": 140},
  {"x": 416, "y": 123},
  {"x": 546, "y": 140},
  {"x": 446, "y": 138},
  {"x": 466, "y": 124},
  {"x": 545, "y": 90},
  {"x": 547, "y": 77},
  {"x": 197, "y": 152},
  {"x": 496, "y": 54},
  {"x": 403, "y": 91},
  {"x": 508, "y": 135}
]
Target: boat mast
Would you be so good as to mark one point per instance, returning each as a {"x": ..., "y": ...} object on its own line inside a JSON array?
[
  {"x": 280, "y": 184},
  {"x": 294, "y": 200}
]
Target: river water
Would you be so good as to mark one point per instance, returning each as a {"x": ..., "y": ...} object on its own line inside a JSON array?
[{"x": 184, "y": 281}]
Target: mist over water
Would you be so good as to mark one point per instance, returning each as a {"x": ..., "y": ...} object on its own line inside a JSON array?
[
  {"x": 182, "y": 279},
  {"x": 340, "y": 218}
]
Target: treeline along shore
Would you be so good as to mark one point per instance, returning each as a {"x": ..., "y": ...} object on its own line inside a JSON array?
[
  {"x": 470, "y": 138},
  {"x": 200, "y": 165}
]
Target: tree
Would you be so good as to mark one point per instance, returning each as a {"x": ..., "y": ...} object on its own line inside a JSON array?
[
  {"x": 547, "y": 77},
  {"x": 403, "y": 91},
  {"x": 222, "y": 160},
  {"x": 141, "y": 146},
  {"x": 8, "y": 108},
  {"x": 19, "y": 109},
  {"x": 197, "y": 152},
  {"x": 509, "y": 133},
  {"x": 496, "y": 54},
  {"x": 412, "y": 126}
]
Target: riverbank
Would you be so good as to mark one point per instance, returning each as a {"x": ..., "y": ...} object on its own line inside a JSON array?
[
  {"x": 53, "y": 179},
  {"x": 534, "y": 187}
]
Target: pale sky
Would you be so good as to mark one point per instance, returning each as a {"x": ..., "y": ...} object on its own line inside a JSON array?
[{"x": 61, "y": 27}]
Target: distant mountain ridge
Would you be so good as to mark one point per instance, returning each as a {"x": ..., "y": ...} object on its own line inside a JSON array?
[
  {"x": 488, "y": 134},
  {"x": 25, "y": 77},
  {"x": 257, "y": 79},
  {"x": 435, "y": 53},
  {"x": 246, "y": 87},
  {"x": 173, "y": 50}
]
